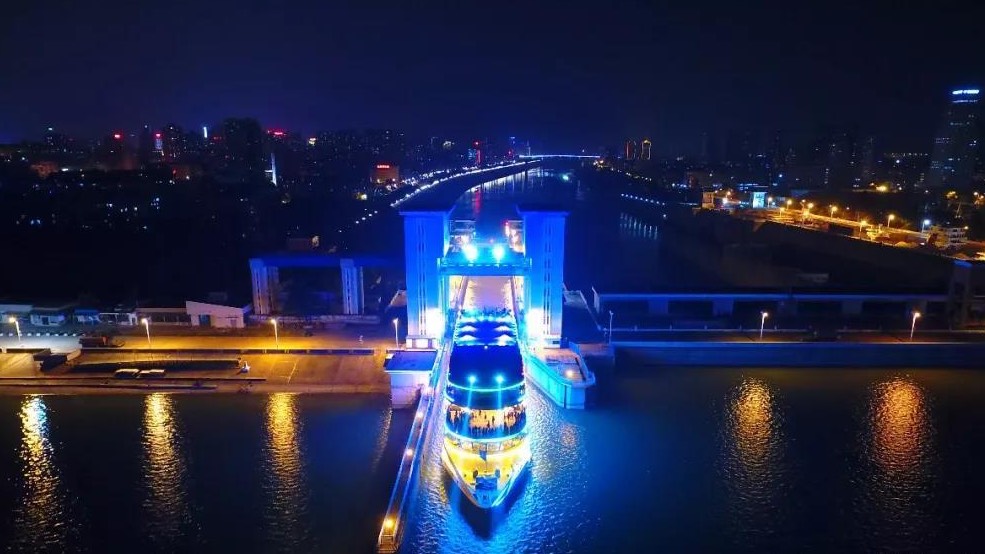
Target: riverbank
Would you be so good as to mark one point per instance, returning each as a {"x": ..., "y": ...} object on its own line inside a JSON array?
[
  {"x": 196, "y": 373},
  {"x": 798, "y": 355},
  {"x": 112, "y": 386}
]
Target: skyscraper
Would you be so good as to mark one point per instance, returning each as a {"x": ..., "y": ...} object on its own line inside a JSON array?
[
  {"x": 956, "y": 145},
  {"x": 645, "y": 150},
  {"x": 243, "y": 147},
  {"x": 631, "y": 150}
]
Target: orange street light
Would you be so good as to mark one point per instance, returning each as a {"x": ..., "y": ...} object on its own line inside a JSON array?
[
  {"x": 273, "y": 321},
  {"x": 17, "y": 326},
  {"x": 146, "y": 323}
]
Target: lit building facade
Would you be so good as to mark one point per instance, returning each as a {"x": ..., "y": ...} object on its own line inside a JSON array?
[
  {"x": 955, "y": 147},
  {"x": 645, "y": 150},
  {"x": 433, "y": 263}
]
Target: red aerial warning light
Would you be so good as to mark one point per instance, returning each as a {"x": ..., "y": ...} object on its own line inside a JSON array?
[
  {"x": 277, "y": 133},
  {"x": 382, "y": 166},
  {"x": 476, "y": 144},
  {"x": 117, "y": 136},
  {"x": 157, "y": 135}
]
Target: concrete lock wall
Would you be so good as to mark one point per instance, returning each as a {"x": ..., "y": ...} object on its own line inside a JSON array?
[
  {"x": 684, "y": 354},
  {"x": 924, "y": 269}
]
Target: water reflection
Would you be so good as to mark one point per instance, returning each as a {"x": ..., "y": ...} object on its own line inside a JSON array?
[
  {"x": 284, "y": 481},
  {"x": 381, "y": 440},
  {"x": 900, "y": 428},
  {"x": 753, "y": 463},
  {"x": 900, "y": 457},
  {"x": 164, "y": 469},
  {"x": 42, "y": 521},
  {"x": 547, "y": 511}
]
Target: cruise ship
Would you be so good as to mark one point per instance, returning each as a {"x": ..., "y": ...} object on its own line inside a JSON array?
[{"x": 486, "y": 448}]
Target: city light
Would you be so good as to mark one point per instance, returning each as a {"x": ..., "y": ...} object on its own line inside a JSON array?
[
  {"x": 17, "y": 327},
  {"x": 146, "y": 323},
  {"x": 471, "y": 252},
  {"x": 396, "y": 334},
  {"x": 913, "y": 325},
  {"x": 762, "y": 323},
  {"x": 273, "y": 321},
  {"x": 498, "y": 253}
]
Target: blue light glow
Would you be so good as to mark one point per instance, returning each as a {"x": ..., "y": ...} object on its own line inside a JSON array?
[
  {"x": 471, "y": 379},
  {"x": 499, "y": 379},
  {"x": 498, "y": 252},
  {"x": 963, "y": 92},
  {"x": 471, "y": 252}
]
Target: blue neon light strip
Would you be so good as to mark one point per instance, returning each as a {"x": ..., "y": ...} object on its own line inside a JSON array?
[{"x": 481, "y": 389}]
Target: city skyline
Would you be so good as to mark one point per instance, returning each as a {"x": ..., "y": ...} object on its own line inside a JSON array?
[{"x": 565, "y": 79}]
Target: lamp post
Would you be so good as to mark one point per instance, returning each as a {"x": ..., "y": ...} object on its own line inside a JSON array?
[
  {"x": 610, "y": 326},
  {"x": 762, "y": 323},
  {"x": 273, "y": 321},
  {"x": 924, "y": 225},
  {"x": 833, "y": 209},
  {"x": 17, "y": 327},
  {"x": 861, "y": 225},
  {"x": 889, "y": 219},
  {"x": 146, "y": 323},
  {"x": 396, "y": 335},
  {"x": 913, "y": 325}
]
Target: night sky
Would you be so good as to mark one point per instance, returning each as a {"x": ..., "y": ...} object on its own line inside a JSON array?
[{"x": 563, "y": 74}]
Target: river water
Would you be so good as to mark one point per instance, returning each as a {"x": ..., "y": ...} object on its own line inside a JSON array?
[{"x": 675, "y": 460}]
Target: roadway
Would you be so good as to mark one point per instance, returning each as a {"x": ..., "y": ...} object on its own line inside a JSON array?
[
  {"x": 796, "y": 336},
  {"x": 372, "y": 337}
]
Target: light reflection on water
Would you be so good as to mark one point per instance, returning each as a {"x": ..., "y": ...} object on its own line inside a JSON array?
[
  {"x": 164, "y": 469},
  {"x": 753, "y": 457},
  {"x": 899, "y": 485},
  {"x": 42, "y": 520},
  {"x": 535, "y": 517},
  {"x": 284, "y": 479}
]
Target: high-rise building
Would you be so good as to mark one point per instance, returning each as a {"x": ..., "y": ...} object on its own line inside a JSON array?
[
  {"x": 243, "y": 145},
  {"x": 645, "y": 150},
  {"x": 145, "y": 146},
  {"x": 173, "y": 143},
  {"x": 955, "y": 147},
  {"x": 631, "y": 150}
]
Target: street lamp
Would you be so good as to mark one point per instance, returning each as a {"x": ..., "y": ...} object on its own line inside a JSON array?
[
  {"x": 833, "y": 210},
  {"x": 889, "y": 219},
  {"x": 146, "y": 323},
  {"x": 17, "y": 326},
  {"x": 610, "y": 326},
  {"x": 861, "y": 225},
  {"x": 923, "y": 227},
  {"x": 396, "y": 335},
  {"x": 913, "y": 325},
  {"x": 273, "y": 321},
  {"x": 762, "y": 323}
]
